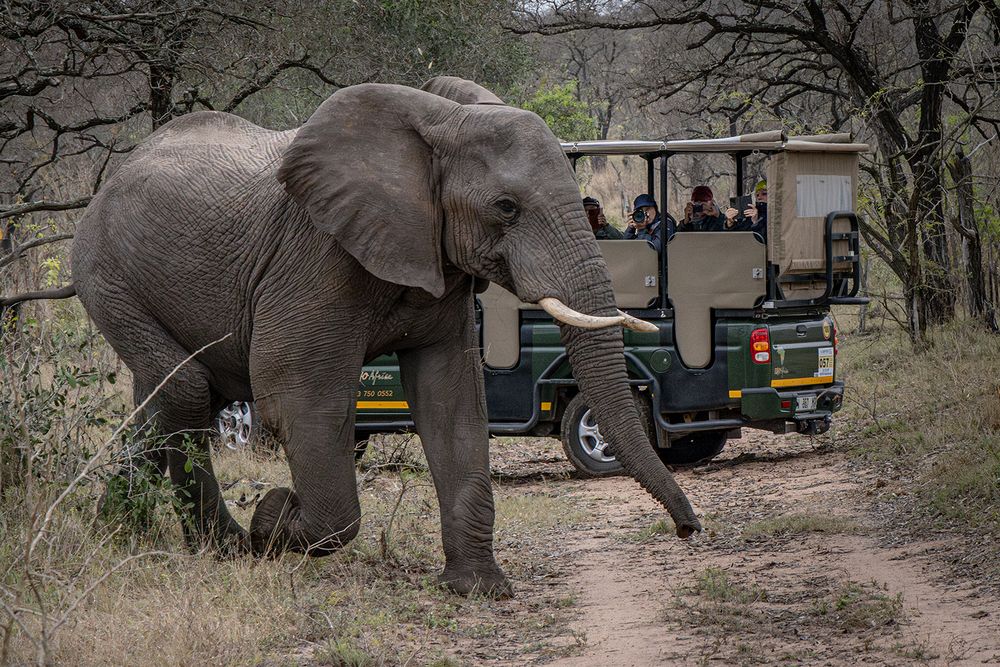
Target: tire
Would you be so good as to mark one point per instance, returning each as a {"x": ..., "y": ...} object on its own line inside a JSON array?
[
  {"x": 585, "y": 448},
  {"x": 694, "y": 449},
  {"x": 235, "y": 425}
]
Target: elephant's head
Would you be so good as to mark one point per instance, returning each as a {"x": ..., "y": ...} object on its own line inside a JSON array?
[{"x": 485, "y": 188}]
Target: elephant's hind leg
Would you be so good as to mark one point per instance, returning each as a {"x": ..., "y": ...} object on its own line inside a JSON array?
[
  {"x": 179, "y": 413},
  {"x": 142, "y": 455},
  {"x": 182, "y": 409}
]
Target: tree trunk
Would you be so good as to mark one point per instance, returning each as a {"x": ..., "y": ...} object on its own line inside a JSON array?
[
  {"x": 863, "y": 312},
  {"x": 929, "y": 213},
  {"x": 927, "y": 158},
  {"x": 603, "y": 118},
  {"x": 913, "y": 289},
  {"x": 980, "y": 306}
]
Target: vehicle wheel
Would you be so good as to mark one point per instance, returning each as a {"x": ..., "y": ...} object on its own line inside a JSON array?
[
  {"x": 695, "y": 448},
  {"x": 234, "y": 424},
  {"x": 585, "y": 448}
]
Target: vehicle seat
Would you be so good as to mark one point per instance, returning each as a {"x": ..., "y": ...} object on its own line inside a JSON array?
[{"x": 706, "y": 271}]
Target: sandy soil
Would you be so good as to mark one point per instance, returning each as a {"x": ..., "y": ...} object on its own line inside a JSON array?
[{"x": 838, "y": 590}]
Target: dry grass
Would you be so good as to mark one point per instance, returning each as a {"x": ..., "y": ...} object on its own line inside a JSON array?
[
  {"x": 855, "y": 607},
  {"x": 169, "y": 607},
  {"x": 659, "y": 528},
  {"x": 90, "y": 592},
  {"x": 933, "y": 418},
  {"x": 375, "y": 602},
  {"x": 743, "y": 622},
  {"x": 716, "y": 585},
  {"x": 798, "y": 524}
]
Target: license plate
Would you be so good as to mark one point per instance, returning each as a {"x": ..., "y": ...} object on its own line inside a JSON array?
[
  {"x": 805, "y": 403},
  {"x": 825, "y": 363}
]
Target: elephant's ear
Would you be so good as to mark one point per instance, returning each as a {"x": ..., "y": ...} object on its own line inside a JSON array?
[
  {"x": 363, "y": 168},
  {"x": 459, "y": 90}
]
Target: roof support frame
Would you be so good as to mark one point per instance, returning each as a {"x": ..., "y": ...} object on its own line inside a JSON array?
[{"x": 664, "y": 194}]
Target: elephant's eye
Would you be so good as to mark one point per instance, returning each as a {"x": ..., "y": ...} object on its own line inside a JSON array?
[{"x": 507, "y": 208}]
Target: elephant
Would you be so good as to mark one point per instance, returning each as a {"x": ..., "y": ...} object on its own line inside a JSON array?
[{"x": 224, "y": 262}]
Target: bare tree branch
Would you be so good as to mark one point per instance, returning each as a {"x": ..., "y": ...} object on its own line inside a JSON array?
[
  {"x": 55, "y": 293},
  {"x": 32, "y": 207},
  {"x": 18, "y": 252}
]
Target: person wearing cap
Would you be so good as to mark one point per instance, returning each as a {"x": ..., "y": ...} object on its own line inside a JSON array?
[
  {"x": 645, "y": 223},
  {"x": 602, "y": 230},
  {"x": 702, "y": 214}
]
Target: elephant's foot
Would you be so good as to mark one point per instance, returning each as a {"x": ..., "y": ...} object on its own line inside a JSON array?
[
  {"x": 278, "y": 525},
  {"x": 269, "y": 533},
  {"x": 489, "y": 581}
]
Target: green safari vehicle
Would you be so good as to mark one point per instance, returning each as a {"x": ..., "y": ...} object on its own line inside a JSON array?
[{"x": 745, "y": 336}]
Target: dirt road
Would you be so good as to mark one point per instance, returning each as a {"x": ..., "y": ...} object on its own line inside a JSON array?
[{"x": 794, "y": 568}]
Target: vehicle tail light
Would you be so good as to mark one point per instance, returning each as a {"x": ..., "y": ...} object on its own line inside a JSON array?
[
  {"x": 760, "y": 346},
  {"x": 836, "y": 340},
  {"x": 786, "y": 404}
]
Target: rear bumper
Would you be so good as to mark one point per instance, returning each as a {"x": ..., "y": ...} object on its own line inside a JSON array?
[
  {"x": 765, "y": 403},
  {"x": 762, "y": 408}
]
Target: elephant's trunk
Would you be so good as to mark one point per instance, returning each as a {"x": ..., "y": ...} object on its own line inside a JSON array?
[
  {"x": 598, "y": 359},
  {"x": 574, "y": 286},
  {"x": 598, "y": 363}
]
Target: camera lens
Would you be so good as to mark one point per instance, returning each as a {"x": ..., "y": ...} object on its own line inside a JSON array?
[{"x": 639, "y": 215}]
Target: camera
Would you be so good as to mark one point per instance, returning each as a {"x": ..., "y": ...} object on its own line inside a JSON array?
[
  {"x": 639, "y": 215},
  {"x": 741, "y": 203},
  {"x": 697, "y": 207}
]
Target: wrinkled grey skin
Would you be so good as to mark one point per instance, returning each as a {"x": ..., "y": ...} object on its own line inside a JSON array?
[{"x": 318, "y": 249}]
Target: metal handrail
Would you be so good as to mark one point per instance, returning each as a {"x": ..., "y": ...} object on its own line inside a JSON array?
[{"x": 853, "y": 238}]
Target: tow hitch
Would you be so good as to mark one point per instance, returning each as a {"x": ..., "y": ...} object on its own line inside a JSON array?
[{"x": 813, "y": 426}]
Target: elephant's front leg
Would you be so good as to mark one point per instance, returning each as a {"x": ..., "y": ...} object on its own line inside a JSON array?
[
  {"x": 444, "y": 387},
  {"x": 315, "y": 419}
]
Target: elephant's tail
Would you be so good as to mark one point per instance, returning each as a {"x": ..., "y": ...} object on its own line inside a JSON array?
[{"x": 57, "y": 293}]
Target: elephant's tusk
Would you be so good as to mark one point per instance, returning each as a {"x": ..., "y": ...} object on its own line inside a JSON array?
[
  {"x": 560, "y": 311},
  {"x": 635, "y": 324}
]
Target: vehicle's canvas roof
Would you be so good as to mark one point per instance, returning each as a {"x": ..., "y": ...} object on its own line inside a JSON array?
[{"x": 762, "y": 141}]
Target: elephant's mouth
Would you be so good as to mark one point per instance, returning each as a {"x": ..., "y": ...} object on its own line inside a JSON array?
[{"x": 563, "y": 313}]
